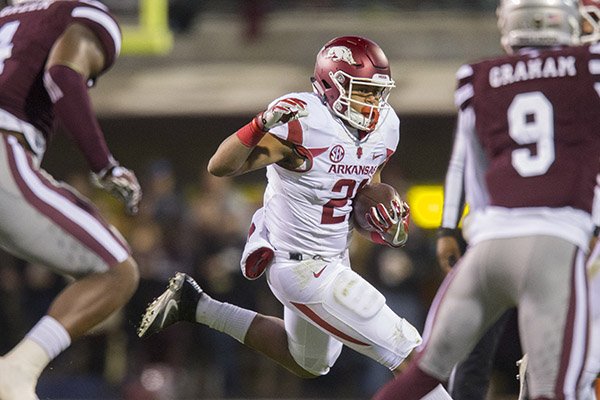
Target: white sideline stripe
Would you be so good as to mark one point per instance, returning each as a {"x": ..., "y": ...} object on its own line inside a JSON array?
[
  {"x": 75, "y": 214},
  {"x": 577, "y": 356},
  {"x": 463, "y": 94},
  {"x": 52, "y": 88}
]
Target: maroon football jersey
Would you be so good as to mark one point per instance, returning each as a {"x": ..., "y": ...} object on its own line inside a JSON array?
[
  {"x": 538, "y": 121},
  {"x": 27, "y": 34}
]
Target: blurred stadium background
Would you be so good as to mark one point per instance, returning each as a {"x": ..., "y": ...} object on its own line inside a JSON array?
[{"x": 191, "y": 73}]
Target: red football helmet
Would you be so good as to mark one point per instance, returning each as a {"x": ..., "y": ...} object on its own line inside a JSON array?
[
  {"x": 342, "y": 64},
  {"x": 590, "y": 10}
]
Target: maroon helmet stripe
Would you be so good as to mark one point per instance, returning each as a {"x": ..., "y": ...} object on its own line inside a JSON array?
[
  {"x": 52, "y": 213},
  {"x": 304, "y": 309},
  {"x": 295, "y": 132}
]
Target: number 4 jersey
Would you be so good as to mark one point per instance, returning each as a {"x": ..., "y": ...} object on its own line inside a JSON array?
[
  {"x": 530, "y": 127},
  {"x": 27, "y": 34},
  {"x": 307, "y": 209}
]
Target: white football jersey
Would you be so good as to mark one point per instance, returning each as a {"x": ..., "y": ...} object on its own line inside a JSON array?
[{"x": 307, "y": 210}]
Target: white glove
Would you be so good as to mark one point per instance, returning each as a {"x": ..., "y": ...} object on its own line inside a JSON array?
[
  {"x": 122, "y": 184},
  {"x": 392, "y": 227},
  {"x": 282, "y": 112}
]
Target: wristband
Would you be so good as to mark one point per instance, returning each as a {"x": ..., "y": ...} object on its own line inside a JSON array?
[
  {"x": 251, "y": 133},
  {"x": 444, "y": 232}
]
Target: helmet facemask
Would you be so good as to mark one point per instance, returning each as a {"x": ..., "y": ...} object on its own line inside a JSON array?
[
  {"x": 361, "y": 115},
  {"x": 591, "y": 17}
]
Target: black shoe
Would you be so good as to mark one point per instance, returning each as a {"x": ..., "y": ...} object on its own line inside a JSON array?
[{"x": 177, "y": 303}]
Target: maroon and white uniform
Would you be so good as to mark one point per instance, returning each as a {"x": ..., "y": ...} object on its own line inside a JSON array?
[
  {"x": 593, "y": 362},
  {"x": 43, "y": 220},
  {"x": 306, "y": 221},
  {"x": 527, "y": 151},
  {"x": 27, "y": 34}
]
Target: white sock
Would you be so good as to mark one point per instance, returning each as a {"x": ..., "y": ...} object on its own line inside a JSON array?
[
  {"x": 46, "y": 340},
  {"x": 224, "y": 317}
]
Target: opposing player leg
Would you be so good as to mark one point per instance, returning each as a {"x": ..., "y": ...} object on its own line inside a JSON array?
[
  {"x": 461, "y": 313},
  {"x": 48, "y": 223},
  {"x": 553, "y": 329},
  {"x": 470, "y": 379}
]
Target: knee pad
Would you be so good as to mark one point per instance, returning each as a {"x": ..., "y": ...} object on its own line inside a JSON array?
[
  {"x": 353, "y": 299},
  {"x": 360, "y": 306}
]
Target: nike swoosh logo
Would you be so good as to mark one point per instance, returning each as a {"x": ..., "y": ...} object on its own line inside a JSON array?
[
  {"x": 376, "y": 156},
  {"x": 318, "y": 274},
  {"x": 172, "y": 304}
]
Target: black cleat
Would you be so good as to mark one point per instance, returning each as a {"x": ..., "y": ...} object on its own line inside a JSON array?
[{"x": 177, "y": 303}]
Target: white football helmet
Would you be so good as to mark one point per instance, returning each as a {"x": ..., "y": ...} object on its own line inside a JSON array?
[
  {"x": 538, "y": 23},
  {"x": 590, "y": 10}
]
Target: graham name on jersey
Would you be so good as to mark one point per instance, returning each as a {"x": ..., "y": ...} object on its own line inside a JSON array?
[
  {"x": 345, "y": 169},
  {"x": 534, "y": 68}
]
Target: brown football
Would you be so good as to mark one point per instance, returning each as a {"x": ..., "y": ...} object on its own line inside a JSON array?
[{"x": 369, "y": 196}]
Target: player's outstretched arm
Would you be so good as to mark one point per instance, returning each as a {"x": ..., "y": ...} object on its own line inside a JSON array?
[
  {"x": 76, "y": 57},
  {"x": 251, "y": 148}
]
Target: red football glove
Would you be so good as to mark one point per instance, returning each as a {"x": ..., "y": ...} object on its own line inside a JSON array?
[{"x": 391, "y": 225}]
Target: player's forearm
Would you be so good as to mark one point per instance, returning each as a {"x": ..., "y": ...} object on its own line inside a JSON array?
[
  {"x": 229, "y": 157},
  {"x": 72, "y": 105}
]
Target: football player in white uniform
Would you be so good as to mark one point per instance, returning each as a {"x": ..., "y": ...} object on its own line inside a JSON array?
[{"x": 319, "y": 148}]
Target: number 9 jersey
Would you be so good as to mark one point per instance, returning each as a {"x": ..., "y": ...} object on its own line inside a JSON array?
[{"x": 537, "y": 118}]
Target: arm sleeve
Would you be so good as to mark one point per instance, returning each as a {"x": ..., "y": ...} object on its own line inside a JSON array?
[
  {"x": 68, "y": 92},
  {"x": 454, "y": 183}
]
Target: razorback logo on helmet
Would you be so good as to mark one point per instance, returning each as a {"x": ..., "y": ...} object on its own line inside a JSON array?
[{"x": 341, "y": 53}]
